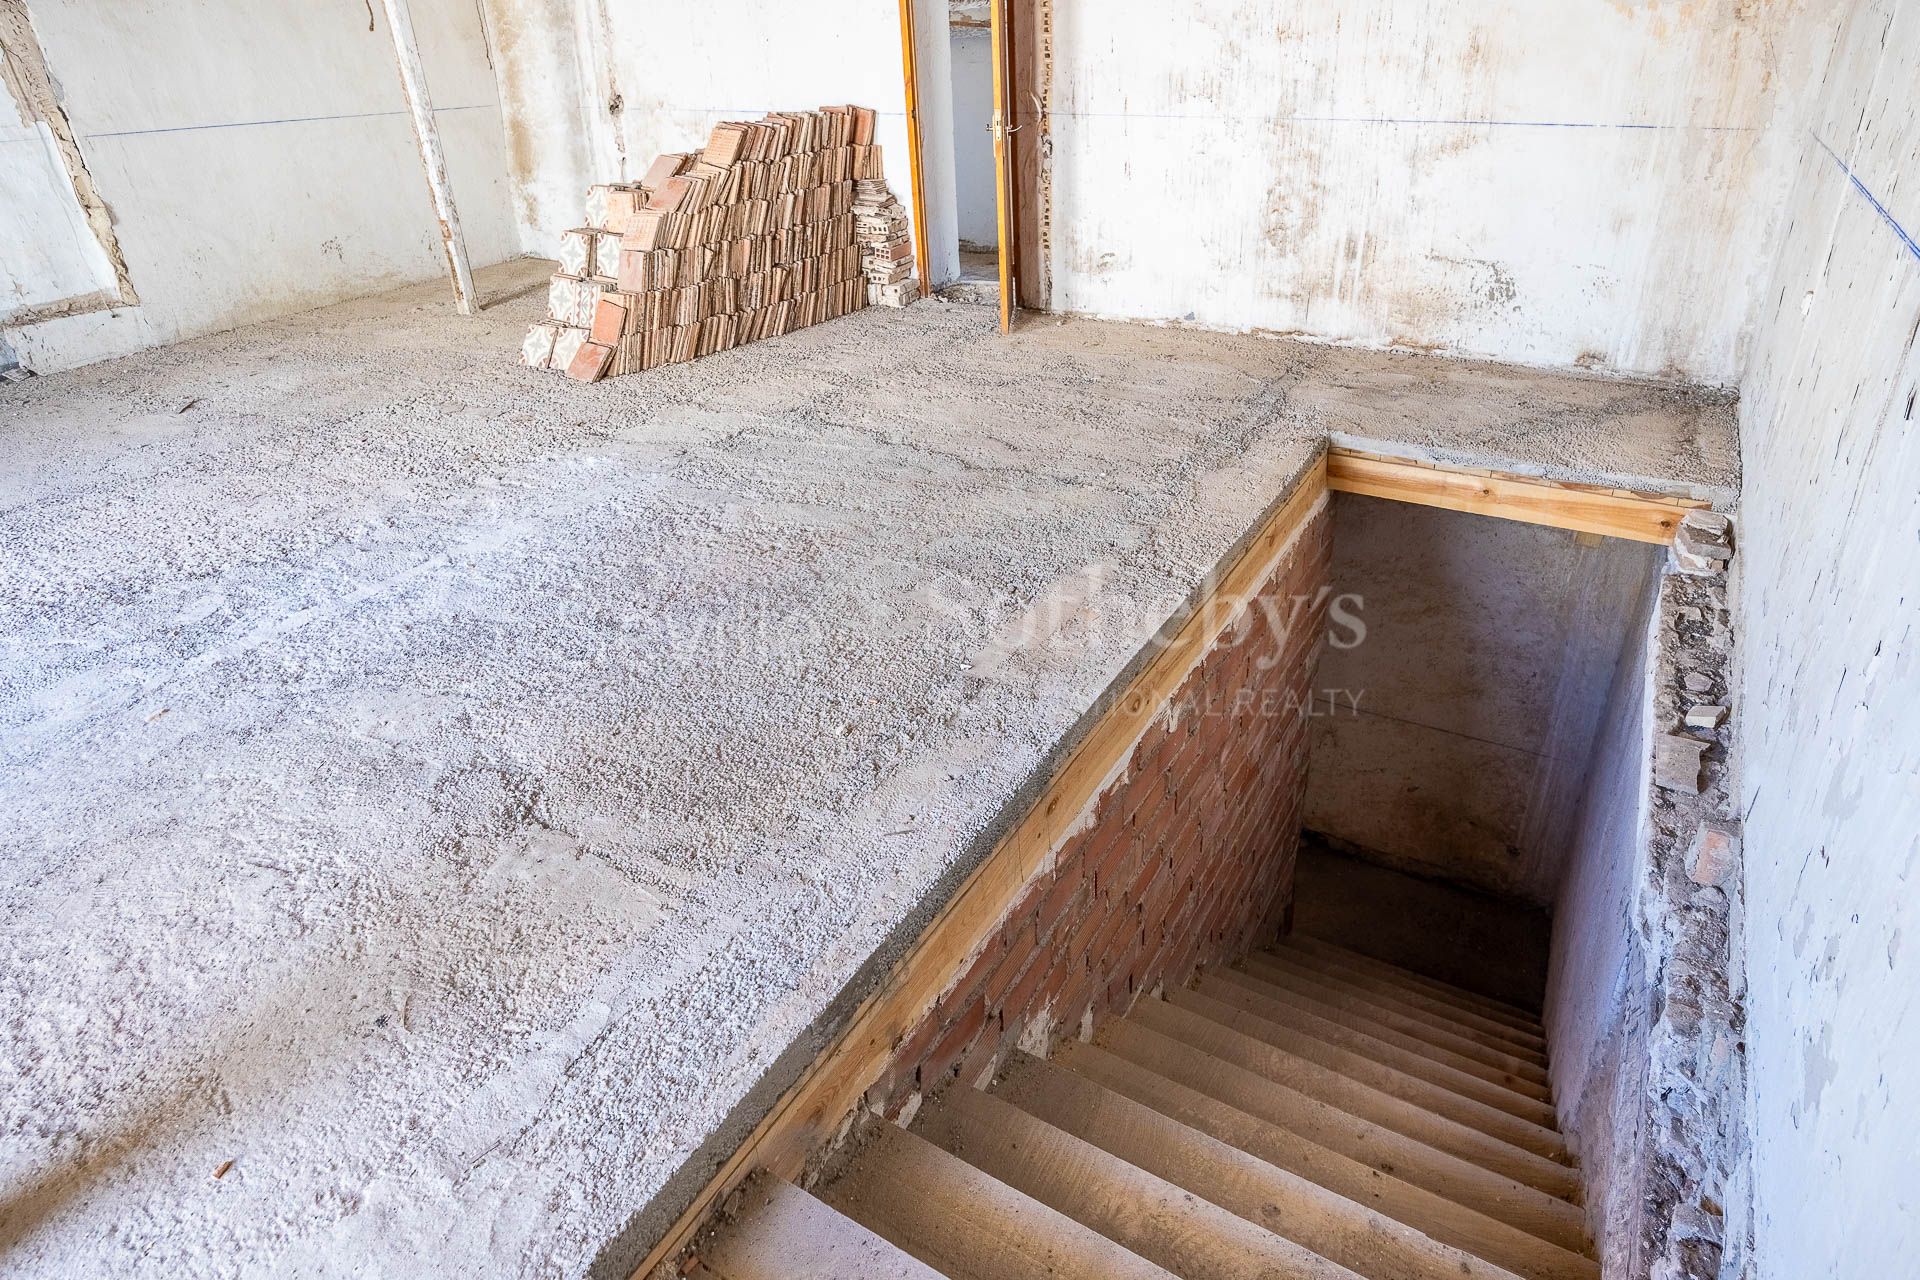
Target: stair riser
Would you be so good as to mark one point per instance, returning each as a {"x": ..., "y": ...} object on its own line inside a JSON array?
[
  {"x": 1153, "y": 1219},
  {"x": 1351, "y": 1183},
  {"x": 1520, "y": 1106},
  {"x": 1356, "y": 1099},
  {"x": 1523, "y": 1059},
  {"x": 1469, "y": 1001},
  {"x": 1296, "y": 1208},
  {"x": 967, "y": 1225},
  {"x": 1473, "y": 1026},
  {"x": 1323, "y": 1126},
  {"x": 1509, "y": 1073},
  {"x": 1491, "y": 1121}
]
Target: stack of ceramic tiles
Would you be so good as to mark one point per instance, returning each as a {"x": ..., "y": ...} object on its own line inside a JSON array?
[{"x": 780, "y": 223}]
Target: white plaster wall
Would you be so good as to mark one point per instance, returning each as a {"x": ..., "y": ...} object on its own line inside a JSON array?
[
  {"x": 47, "y": 251},
  {"x": 1596, "y": 984},
  {"x": 558, "y": 139},
  {"x": 1830, "y": 685},
  {"x": 677, "y": 68},
  {"x": 972, "y": 144},
  {"x": 939, "y": 165},
  {"x": 258, "y": 160},
  {"x": 1581, "y": 183}
]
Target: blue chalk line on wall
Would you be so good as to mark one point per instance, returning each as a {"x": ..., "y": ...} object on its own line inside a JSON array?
[{"x": 1886, "y": 215}]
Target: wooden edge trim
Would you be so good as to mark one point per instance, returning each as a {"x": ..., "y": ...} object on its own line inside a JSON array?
[
  {"x": 806, "y": 1116},
  {"x": 1615, "y": 513},
  {"x": 910, "y": 69}
]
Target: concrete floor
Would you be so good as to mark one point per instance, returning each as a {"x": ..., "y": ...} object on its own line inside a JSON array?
[{"x": 440, "y": 799}]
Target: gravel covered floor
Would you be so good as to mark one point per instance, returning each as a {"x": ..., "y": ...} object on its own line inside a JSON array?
[{"x": 436, "y": 793}]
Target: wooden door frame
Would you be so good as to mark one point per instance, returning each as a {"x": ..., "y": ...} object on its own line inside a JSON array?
[
  {"x": 1000, "y": 20},
  {"x": 1027, "y": 61}
]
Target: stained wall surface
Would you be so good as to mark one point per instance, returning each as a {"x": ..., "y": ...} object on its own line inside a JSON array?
[
  {"x": 594, "y": 93},
  {"x": 1586, "y": 183},
  {"x": 1597, "y": 985},
  {"x": 260, "y": 161},
  {"x": 1457, "y": 711},
  {"x": 1830, "y": 782}
]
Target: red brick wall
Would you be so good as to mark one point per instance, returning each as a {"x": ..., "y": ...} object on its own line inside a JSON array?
[{"x": 1188, "y": 860}]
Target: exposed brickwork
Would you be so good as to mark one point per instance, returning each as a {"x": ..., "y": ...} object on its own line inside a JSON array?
[{"x": 1188, "y": 859}]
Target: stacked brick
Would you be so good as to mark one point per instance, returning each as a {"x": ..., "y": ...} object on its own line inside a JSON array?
[
  {"x": 1188, "y": 862},
  {"x": 881, "y": 224},
  {"x": 778, "y": 224}
]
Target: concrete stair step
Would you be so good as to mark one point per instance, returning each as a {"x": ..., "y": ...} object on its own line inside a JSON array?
[
  {"x": 1527, "y": 1135},
  {"x": 1535, "y": 1097},
  {"x": 1529, "y": 1034},
  {"x": 1151, "y": 1217},
  {"x": 967, "y": 1224},
  {"x": 1337, "y": 1089},
  {"x": 1471, "y": 1001},
  {"x": 782, "y": 1233},
  {"x": 1298, "y": 1209},
  {"x": 1441, "y": 1027},
  {"x": 1377, "y": 1018},
  {"x": 1517, "y": 1227}
]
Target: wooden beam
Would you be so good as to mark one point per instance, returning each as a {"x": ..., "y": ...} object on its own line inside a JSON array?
[
  {"x": 805, "y": 1117},
  {"x": 910, "y": 68},
  {"x": 1613, "y": 512},
  {"x": 413, "y": 79},
  {"x": 1003, "y": 157}
]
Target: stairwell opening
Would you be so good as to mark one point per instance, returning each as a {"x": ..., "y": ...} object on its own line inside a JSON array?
[
  {"x": 1518, "y": 786},
  {"x": 1382, "y": 979}
]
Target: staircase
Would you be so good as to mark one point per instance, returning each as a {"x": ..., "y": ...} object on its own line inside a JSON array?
[{"x": 1313, "y": 1113}]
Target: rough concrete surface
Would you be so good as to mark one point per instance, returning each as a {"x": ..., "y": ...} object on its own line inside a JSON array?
[
  {"x": 1457, "y": 728},
  {"x": 1826, "y": 694},
  {"x": 436, "y": 793}
]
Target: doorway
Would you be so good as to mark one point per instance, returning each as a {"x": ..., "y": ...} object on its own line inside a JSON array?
[
  {"x": 970, "y": 57},
  {"x": 976, "y": 86}
]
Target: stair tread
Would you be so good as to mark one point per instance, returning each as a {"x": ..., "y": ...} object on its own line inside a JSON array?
[
  {"x": 968, "y": 1225},
  {"x": 1513, "y": 1073},
  {"x": 1517, "y": 1227},
  {"x": 1413, "y": 1003},
  {"x": 783, "y": 1233},
  {"x": 1357, "y": 1098},
  {"x": 1148, "y": 1215},
  {"x": 1401, "y": 995},
  {"x": 1312, "y": 985},
  {"x": 1513, "y": 1130},
  {"x": 1466, "y": 998},
  {"x": 1518, "y": 1098},
  {"x": 1293, "y": 1207},
  {"x": 1457, "y": 1032}
]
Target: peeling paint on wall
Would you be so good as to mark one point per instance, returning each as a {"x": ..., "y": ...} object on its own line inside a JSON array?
[
  {"x": 658, "y": 78},
  {"x": 1587, "y": 184},
  {"x": 23, "y": 71}
]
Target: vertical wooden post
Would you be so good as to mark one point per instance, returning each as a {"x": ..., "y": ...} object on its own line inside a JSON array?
[
  {"x": 909, "y": 60},
  {"x": 1003, "y": 127},
  {"x": 413, "y": 79}
]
